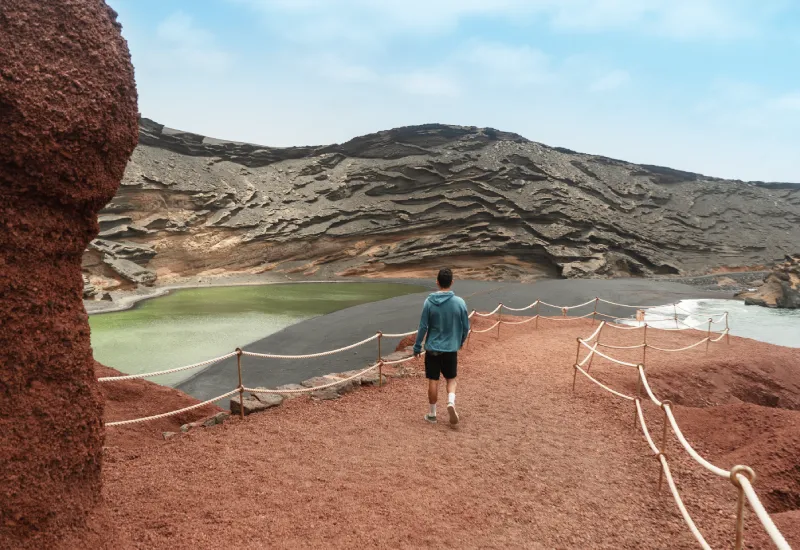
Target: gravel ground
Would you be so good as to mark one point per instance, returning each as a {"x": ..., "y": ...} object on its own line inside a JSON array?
[{"x": 531, "y": 465}]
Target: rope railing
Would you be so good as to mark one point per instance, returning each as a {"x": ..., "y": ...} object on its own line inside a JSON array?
[
  {"x": 173, "y": 413},
  {"x": 650, "y": 346},
  {"x": 487, "y": 329},
  {"x": 740, "y": 476},
  {"x": 592, "y": 301},
  {"x": 170, "y": 371},
  {"x": 589, "y": 376},
  {"x": 312, "y": 355},
  {"x": 596, "y": 333},
  {"x": 495, "y": 310},
  {"x": 622, "y": 347},
  {"x": 647, "y": 388},
  {"x": 604, "y": 356},
  {"x": 315, "y": 388},
  {"x": 679, "y": 502},
  {"x": 400, "y": 335},
  {"x": 565, "y": 318},
  {"x": 761, "y": 513},
  {"x": 688, "y": 448},
  {"x": 646, "y": 432},
  {"x": 521, "y": 308},
  {"x": 378, "y": 336}
]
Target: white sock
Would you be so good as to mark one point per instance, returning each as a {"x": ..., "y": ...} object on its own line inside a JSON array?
[
  {"x": 433, "y": 409},
  {"x": 451, "y": 398}
]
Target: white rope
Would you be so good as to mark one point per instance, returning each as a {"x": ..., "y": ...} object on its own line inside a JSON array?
[
  {"x": 686, "y": 517},
  {"x": 589, "y": 356},
  {"x": 678, "y": 349},
  {"x": 587, "y": 375},
  {"x": 568, "y": 307},
  {"x": 721, "y": 336},
  {"x": 601, "y": 354},
  {"x": 486, "y": 330},
  {"x": 403, "y": 335},
  {"x": 170, "y": 371},
  {"x": 315, "y": 388},
  {"x": 607, "y": 315},
  {"x": 521, "y": 308},
  {"x": 762, "y": 514},
  {"x": 624, "y": 327},
  {"x": 310, "y": 355},
  {"x": 495, "y": 310},
  {"x": 596, "y": 332},
  {"x": 623, "y": 347},
  {"x": 646, "y": 432},
  {"x": 646, "y": 385},
  {"x": 179, "y": 411},
  {"x": 630, "y": 306},
  {"x": 694, "y": 454},
  {"x": 398, "y": 361},
  {"x": 519, "y": 322},
  {"x": 567, "y": 318}
]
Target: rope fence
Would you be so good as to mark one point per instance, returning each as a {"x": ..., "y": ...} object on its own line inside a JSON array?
[
  {"x": 170, "y": 371},
  {"x": 379, "y": 336},
  {"x": 740, "y": 476}
]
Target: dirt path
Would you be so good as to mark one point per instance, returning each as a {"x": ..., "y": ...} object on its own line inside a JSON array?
[{"x": 531, "y": 465}]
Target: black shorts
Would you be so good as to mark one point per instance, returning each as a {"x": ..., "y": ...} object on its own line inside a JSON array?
[{"x": 444, "y": 363}]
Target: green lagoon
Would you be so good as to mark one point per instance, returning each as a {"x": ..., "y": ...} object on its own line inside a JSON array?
[{"x": 191, "y": 325}]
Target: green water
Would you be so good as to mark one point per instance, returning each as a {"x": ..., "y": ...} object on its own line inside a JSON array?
[{"x": 192, "y": 325}]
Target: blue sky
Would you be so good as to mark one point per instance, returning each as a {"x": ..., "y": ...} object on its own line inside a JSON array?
[{"x": 711, "y": 86}]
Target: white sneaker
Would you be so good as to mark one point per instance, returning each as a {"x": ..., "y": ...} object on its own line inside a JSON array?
[
  {"x": 431, "y": 418},
  {"x": 451, "y": 410}
]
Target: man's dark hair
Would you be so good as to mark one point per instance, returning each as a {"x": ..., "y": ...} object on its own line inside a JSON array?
[{"x": 445, "y": 277}]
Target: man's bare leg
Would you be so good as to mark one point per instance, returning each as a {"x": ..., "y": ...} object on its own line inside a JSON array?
[
  {"x": 433, "y": 391},
  {"x": 451, "y": 400},
  {"x": 433, "y": 395}
]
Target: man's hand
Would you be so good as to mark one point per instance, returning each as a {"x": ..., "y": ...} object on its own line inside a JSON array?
[{"x": 417, "y": 354}]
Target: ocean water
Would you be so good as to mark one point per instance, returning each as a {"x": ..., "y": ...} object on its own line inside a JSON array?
[
  {"x": 192, "y": 325},
  {"x": 774, "y": 326}
]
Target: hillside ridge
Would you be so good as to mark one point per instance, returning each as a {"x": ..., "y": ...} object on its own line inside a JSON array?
[{"x": 399, "y": 202}]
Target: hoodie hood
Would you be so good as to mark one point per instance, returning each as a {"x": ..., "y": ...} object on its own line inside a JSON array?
[{"x": 438, "y": 298}]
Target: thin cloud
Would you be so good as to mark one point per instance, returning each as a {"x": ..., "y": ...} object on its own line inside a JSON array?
[
  {"x": 426, "y": 83},
  {"x": 506, "y": 63},
  {"x": 185, "y": 43},
  {"x": 678, "y": 19},
  {"x": 611, "y": 81}
]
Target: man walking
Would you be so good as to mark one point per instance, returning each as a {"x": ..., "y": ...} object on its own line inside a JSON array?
[{"x": 444, "y": 326}]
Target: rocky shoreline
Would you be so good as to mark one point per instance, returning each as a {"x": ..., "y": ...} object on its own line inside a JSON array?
[{"x": 780, "y": 288}]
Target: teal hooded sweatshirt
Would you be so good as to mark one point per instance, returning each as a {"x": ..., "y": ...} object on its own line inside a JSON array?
[{"x": 444, "y": 321}]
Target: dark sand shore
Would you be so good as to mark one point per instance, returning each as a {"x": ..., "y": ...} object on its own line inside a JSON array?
[{"x": 401, "y": 314}]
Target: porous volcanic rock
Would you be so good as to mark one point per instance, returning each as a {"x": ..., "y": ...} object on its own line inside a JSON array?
[
  {"x": 68, "y": 124},
  {"x": 492, "y": 204},
  {"x": 780, "y": 288}
]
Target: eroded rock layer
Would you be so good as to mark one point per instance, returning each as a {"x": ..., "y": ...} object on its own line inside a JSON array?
[
  {"x": 780, "y": 288},
  {"x": 491, "y": 203},
  {"x": 67, "y": 128}
]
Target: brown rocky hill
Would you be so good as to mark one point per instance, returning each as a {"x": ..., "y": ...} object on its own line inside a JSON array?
[{"x": 494, "y": 204}]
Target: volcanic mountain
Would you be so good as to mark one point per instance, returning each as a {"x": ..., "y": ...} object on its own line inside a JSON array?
[{"x": 492, "y": 204}]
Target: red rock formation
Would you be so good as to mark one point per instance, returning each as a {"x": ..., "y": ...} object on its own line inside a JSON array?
[{"x": 68, "y": 124}]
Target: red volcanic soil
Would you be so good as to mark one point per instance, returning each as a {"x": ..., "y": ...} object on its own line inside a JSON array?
[
  {"x": 531, "y": 464},
  {"x": 129, "y": 399}
]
